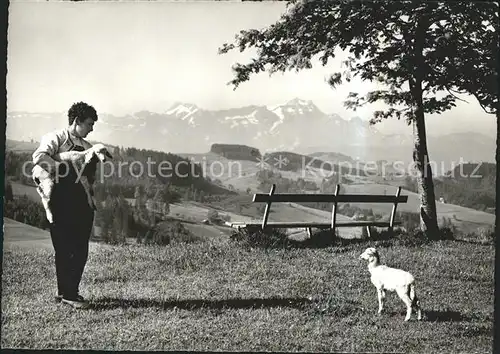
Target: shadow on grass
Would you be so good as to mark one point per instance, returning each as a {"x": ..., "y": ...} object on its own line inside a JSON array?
[
  {"x": 474, "y": 242},
  {"x": 443, "y": 316},
  {"x": 194, "y": 304}
]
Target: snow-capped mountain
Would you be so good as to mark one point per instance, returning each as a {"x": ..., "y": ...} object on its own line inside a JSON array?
[
  {"x": 296, "y": 126},
  {"x": 186, "y": 112}
]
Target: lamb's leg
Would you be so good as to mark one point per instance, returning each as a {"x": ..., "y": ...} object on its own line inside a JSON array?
[
  {"x": 381, "y": 297},
  {"x": 48, "y": 213},
  {"x": 403, "y": 294},
  {"x": 88, "y": 188},
  {"x": 415, "y": 302},
  {"x": 44, "y": 189}
]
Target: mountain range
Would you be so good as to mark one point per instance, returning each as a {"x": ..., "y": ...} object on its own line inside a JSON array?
[{"x": 297, "y": 126}]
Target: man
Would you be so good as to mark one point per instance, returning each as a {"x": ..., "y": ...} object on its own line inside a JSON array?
[{"x": 73, "y": 217}]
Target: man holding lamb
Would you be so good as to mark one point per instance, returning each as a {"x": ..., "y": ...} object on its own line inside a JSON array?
[{"x": 64, "y": 171}]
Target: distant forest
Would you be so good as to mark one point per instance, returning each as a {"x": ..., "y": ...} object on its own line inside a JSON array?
[
  {"x": 470, "y": 185},
  {"x": 130, "y": 168},
  {"x": 136, "y": 179}
]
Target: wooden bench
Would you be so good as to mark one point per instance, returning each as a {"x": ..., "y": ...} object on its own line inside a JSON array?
[{"x": 324, "y": 198}]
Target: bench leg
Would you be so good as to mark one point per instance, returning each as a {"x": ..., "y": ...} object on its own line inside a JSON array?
[{"x": 309, "y": 232}]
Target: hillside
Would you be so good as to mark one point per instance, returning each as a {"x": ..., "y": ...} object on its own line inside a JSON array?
[
  {"x": 460, "y": 186},
  {"x": 466, "y": 219},
  {"x": 22, "y": 189},
  {"x": 334, "y": 157},
  {"x": 241, "y": 208},
  {"x": 471, "y": 185},
  {"x": 19, "y": 234},
  {"x": 20, "y": 146},
  {"x": 238, "y": 208},
  {"x": 129, "y": 168},
  {"x": 217, "y": 167},
  {"x": 290, "y": 161}
]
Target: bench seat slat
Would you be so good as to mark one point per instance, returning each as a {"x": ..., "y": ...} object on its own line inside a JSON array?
[
  {"x": 327, "y": 198},
  {"x": 279, "y": 224}
]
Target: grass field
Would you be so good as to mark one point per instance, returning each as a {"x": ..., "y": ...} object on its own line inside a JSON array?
[
  {"x": 215, "y": 295},
  {"x": 22, "y": 189},
  {"x": 279, "y": 212}
]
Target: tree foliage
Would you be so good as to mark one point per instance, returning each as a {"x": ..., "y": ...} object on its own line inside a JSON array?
[
  {"x": 473, "y": 34},
  {"x": 381, "y": 38},
  {"x": 27, "y": 211}
]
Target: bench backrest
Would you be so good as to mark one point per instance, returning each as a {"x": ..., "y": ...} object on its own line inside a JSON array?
[{"x": 329, "y": 198}]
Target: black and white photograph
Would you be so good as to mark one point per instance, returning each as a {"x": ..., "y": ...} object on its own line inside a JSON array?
[{"x": 251, "y": 176}]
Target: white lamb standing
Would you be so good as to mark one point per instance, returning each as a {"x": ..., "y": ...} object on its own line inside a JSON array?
[
  {"x": 392, "y": 279},
  {"x": 80, "y": 160}
]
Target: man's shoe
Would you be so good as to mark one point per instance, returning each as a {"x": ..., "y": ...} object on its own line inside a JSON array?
[
  {"x": 77, "y": 303},
  {"x": 58, "y": 298}
]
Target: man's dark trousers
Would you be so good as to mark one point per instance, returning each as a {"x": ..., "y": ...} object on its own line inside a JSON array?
[{"x": 70, "y": 233}]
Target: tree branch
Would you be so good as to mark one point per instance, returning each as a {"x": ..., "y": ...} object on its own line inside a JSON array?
[{"x": 456, "y": 97}]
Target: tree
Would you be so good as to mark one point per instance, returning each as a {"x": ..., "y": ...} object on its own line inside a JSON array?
[
  {"x": 121, "y": 213},
  {"x": 139, "y": 195},
  {"x": 161, "y": 200},
  {"x": 106, "y": 219},
  {"x": 9, "y": 194},
  {"x": 475, "y": 71},
  {"x": 396, "y": 44}
]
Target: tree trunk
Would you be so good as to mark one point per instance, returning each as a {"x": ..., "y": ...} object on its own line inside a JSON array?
[{"x": 428, "y": 215}]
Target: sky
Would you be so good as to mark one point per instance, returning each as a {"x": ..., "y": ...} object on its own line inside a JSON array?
[{"x": 123, "y": 57}]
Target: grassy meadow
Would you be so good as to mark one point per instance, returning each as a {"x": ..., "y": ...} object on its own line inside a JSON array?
[{"x": 217, "y": 295}]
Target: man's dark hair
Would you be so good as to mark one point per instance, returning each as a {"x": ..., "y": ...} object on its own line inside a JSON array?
[{"x": 81, "y": 111}]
